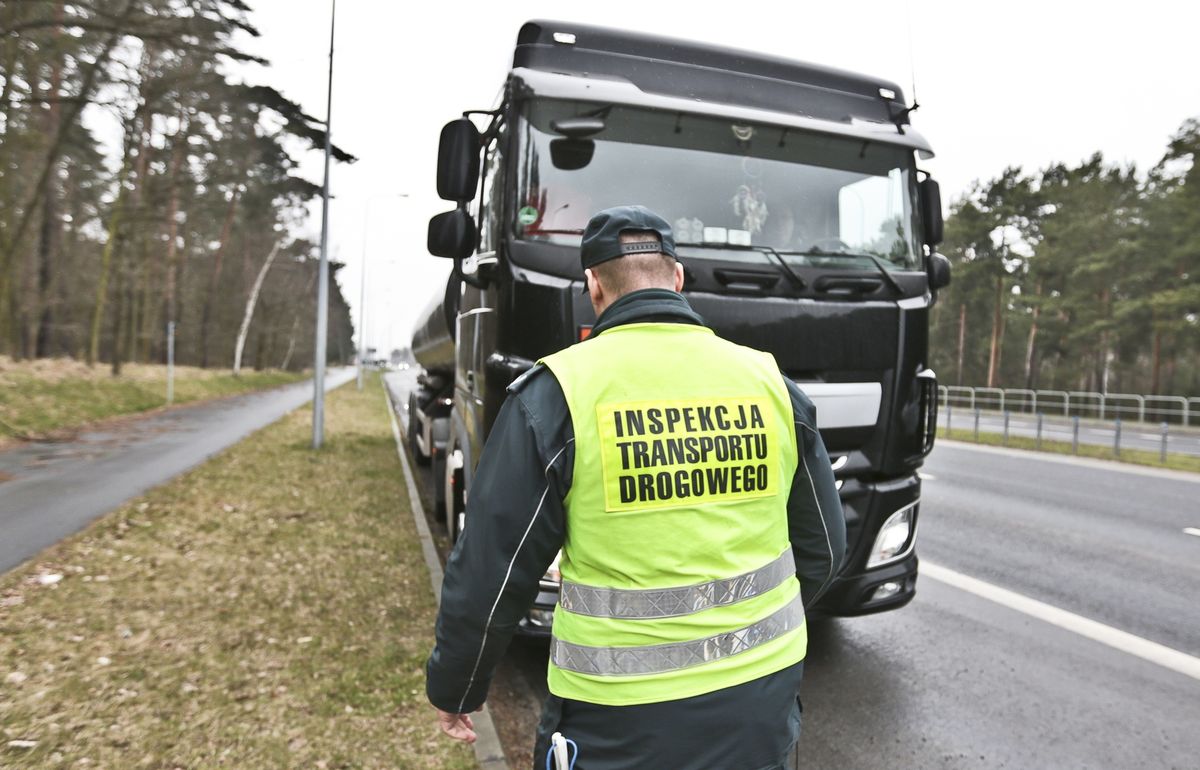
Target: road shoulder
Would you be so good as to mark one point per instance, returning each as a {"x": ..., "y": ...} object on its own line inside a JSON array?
[
  {"x": 488, "y": 751},
  {"x": 266, "y": 609}
]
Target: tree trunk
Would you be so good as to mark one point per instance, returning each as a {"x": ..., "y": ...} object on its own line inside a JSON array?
[
  {"x": 9, "y": 245},
  {"x": 118, "y": 319},
  {"x": 106, "y": 258},
  {"x": 1105, "y": 362},
  {"x": 1031, "y": 343},
  {"x": 1105, "y": 351},
  {"x": 177, "y": 153},
  {"x": 287, "y": 357},
  {"x": 1156, "y": 366},
  {"x": 49, "y": 241},
  {"x": 962, "y": 339},
  {"x": 136, "y": 294},
  {"x": 997, "y": 322},
  {"x": 249, "y": 314},
  {"x": 210, "y": 297},
  {"x": 145, "y": 334}
]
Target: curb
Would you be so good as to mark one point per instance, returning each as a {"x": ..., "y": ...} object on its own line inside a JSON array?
[{"x": 488, "y": 751}]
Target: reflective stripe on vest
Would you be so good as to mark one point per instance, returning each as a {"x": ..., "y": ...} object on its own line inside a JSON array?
[
  {"x": 661, "y": 658},
  {"x": 678, "y": 577},
  {"x": 671, "y": 602}
]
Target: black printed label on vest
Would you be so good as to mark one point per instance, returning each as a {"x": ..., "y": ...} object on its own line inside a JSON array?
[{"x": 665, "y": 454}]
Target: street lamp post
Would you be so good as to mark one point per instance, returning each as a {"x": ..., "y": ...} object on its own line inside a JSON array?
[
  {"x": 362, "y": 292},
  {"x": 318, "y": 428}
]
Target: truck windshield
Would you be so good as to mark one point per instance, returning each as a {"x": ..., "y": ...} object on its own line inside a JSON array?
[{"x": 813, "y": 198}]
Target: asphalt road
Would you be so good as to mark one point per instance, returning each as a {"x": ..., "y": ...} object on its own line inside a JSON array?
[
  {"x": 1134, "y": 435},
  {"x": 54, "y": 489},
  {"x": 955, "y": 680}
]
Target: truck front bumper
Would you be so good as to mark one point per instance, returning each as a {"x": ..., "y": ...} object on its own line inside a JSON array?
[
  {"x": 857, "y": 590},
  {"x": 862, "y": 590},
  {"x": 877, "y": 590},
  {"x": 538, "y": 620}
]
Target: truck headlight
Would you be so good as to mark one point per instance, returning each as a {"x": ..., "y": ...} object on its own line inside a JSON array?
[
  {"x": 895, "y": 537},
  {"x": 552, "y": 580}
]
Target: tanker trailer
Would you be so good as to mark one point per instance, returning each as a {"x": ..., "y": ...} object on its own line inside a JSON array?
[{"x": 430, "y": 402}]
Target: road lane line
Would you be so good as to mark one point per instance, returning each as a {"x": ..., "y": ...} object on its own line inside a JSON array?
[
  {"x": 926, "y": 476},
  {"x": 1119, "y": 640},
  {"x": 1191, "y": 531}
]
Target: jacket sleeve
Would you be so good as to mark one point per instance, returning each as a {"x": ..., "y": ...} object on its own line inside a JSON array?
[
  {"x": 514, "y": 528},
  {"x": 816, "y": 522}
]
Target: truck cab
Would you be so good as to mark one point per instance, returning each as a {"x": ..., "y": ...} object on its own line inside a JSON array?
[{"x": 803, "y": 222}]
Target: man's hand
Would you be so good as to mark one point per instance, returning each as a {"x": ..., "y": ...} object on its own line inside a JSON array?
[{"x": 457, "y": 726}]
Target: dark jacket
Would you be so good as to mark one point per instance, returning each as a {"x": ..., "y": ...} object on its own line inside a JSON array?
[{"x": 515, "y": 527}]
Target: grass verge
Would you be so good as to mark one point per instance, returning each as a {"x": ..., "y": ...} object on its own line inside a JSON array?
[
  {"x": 1176, "y": 462},
  {"x": 268, "y": 609},
  {"x": 47, "y": 395}
]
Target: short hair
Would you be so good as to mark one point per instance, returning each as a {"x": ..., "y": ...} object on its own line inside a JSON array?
[{"x": 642, "y": 270}]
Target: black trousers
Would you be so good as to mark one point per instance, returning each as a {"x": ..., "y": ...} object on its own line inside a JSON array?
[{"x": 751, "y": 726}]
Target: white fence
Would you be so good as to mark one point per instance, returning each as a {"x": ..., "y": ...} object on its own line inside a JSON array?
[{"x": 1068, "y": 403}]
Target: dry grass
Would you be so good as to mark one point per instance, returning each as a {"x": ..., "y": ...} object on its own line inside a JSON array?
[
  {"x": 41, "y": 397},
  {"x": 269, "y": 609},
  {"x": 1178, "y": 462}
]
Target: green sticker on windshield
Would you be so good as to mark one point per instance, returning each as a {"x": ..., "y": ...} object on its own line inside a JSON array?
[{"x": 527, "y": 215}]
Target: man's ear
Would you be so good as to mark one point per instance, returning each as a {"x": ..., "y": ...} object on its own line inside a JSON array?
[
  {"x": 595, "y": 291},
  {"x": 679, "y": 276}
]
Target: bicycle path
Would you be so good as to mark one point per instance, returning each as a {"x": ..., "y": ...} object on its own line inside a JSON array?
[{"x": 49, "y": 490}]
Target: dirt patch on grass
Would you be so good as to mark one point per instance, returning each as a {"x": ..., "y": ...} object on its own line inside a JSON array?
[{"x": 269, "y": 609}]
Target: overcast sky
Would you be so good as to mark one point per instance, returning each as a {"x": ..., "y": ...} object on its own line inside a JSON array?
[{"x": 1000, "y": 83}]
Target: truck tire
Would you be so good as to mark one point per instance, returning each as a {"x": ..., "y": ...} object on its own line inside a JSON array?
[
  {"x": 439, "y": 434},
  {"x": 437, "y": 468},
  {"x": 453, "y": 492},
  {"x": 414, "y": 429}
]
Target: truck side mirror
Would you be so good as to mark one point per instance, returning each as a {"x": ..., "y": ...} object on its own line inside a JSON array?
[
  {"x": 458, "y": 161},
  {"x": 938, "y": 271},
  {"x": 451, "y": 235},
  {"x": 931, "y": 211}
]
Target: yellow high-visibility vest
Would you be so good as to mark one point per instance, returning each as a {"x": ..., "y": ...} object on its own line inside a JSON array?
[{"x": 678, "y": 575}]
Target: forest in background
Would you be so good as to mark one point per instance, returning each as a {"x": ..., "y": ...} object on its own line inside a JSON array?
[
  {"x": 1082, "y": 277},
  {"x": 103, "y": 240},
  {"x": 1068, "y": 277}
]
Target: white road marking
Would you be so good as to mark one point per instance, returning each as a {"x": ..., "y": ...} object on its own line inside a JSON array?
[
  {"x": 926, "y": 476},
  {"x": 1191, "y": 531},
  {"x": 1119, "y": 640}
]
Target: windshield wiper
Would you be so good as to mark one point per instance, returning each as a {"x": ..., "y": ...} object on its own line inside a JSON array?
[
  {"x": 771, "y": 254},
  {"x": 796, "y": 280},
  {"x": 875, "y": 261}
]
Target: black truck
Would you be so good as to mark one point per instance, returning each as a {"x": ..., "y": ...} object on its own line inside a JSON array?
[{"x": 802, "y": 220}]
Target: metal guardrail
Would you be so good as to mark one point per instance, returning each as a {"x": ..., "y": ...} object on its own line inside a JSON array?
[
  {"x": 1114, "y": 434},
  {"x": 1075, "y": 403}
]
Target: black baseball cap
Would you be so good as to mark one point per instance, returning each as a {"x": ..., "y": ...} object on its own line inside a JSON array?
[{"x": 602, "y": 236}]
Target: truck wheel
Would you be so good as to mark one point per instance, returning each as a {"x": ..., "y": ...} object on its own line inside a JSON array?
[
  {"x": 439, "y": 439},
  {"x": 437, "y": 469},
  {"x": 414, "y": 430},
  {"x": 453, "y": 493}
]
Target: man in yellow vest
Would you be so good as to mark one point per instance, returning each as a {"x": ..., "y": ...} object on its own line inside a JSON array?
[{"x": 684, "y": 481}]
